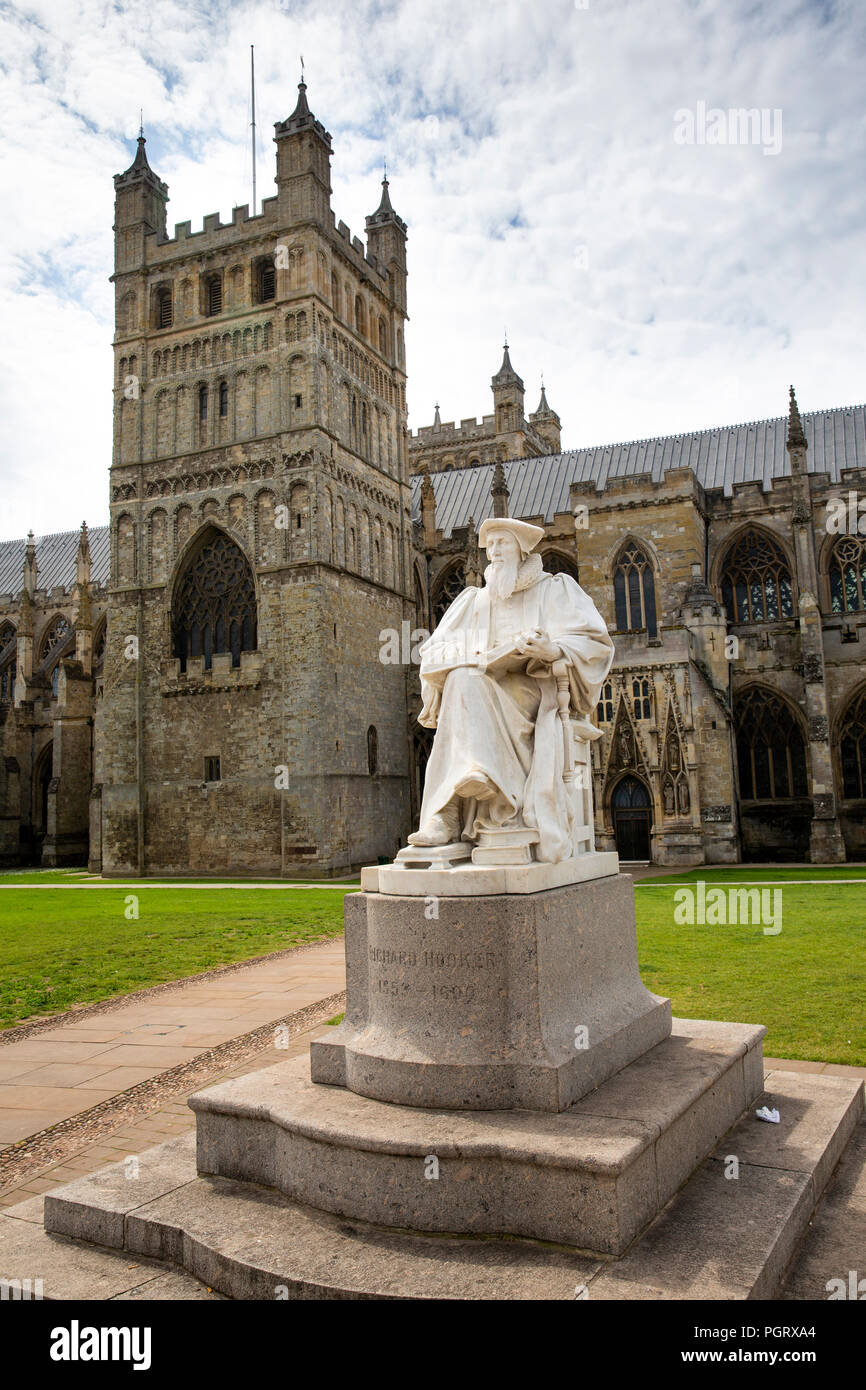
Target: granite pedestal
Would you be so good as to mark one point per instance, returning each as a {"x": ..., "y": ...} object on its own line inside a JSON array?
[{"x": 491, "y": 1003}]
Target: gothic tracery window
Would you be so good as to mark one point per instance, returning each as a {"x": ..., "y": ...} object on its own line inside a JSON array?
[
  {"x": 634, "y": 591},
  {"x": 7, "y": 661},
  {"x": 214, "y": 607},
  {"x": 446, "y": 592},
  {"x": 771, "y": 752},
  {"x": 7, "y": 680},
  {"x": 848, "y": 575},
  {"x": 56, "y": 631},
  {"x": 640, "y": 691},
  {"x": 99, "y": 645},
  {"x": 555, "y": 562},
  {"x": 756, "y": 580},
  {"x": 604, "y": 709},
  {"x": 852, "y": 749}
]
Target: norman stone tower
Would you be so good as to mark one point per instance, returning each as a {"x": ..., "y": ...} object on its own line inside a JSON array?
[{"x": 260, "y": 531}]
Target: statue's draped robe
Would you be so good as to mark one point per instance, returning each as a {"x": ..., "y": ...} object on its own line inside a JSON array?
[{"x": 503, "y": 724}]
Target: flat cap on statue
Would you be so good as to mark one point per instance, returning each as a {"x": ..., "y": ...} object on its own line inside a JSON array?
[{"x": 527, "y": 535}]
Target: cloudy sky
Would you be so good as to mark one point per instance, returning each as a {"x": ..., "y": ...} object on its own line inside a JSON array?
[{"x": 662, "y": 277}]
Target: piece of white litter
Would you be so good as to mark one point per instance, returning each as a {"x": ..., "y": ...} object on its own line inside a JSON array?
[{"x": 765, "y": 1113}]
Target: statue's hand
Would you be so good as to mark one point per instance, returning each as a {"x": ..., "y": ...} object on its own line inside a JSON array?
[{"x": 538, "y": 646}]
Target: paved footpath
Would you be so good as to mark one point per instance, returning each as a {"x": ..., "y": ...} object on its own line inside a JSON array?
[{"x": 48, "y": 1074}]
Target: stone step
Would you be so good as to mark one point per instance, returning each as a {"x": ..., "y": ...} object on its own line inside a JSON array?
[
  {"x": 69, "y": 1271},
  {"x": 733, "y": 1229},
  {"x": 721, "y": 1237},
  {"x": 592, "y": 1176}
]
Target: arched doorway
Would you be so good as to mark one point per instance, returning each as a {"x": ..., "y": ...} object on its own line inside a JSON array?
[{"x": 632, "y": 819}]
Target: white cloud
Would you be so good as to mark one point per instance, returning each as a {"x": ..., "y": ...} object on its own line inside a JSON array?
[{"x": 515, "y": 136}]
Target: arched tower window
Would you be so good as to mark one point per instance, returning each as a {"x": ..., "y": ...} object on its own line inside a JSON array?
[
  {"x": 214, "y": 607},
  {"x": 224, "y": 399},
  {"x": 164, "y": 308},
  {"x": 372, "y": 751},
  {"x": 448, "y": 587},
  {"x": 756, "y": 580},
  {"x": 848, "y": 575},
  {"x": 202, "y": 403},
  {"x": 771, "y": 752},
  {"x": 214, "y": 295},
  {"x": 852, "y": 749},
  {"x": 265, "y": 281},
  {"x": 634, "y": 591}
]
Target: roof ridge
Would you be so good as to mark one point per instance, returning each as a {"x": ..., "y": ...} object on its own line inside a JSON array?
[
  {"x": 657, "y": 438},
  {"x": 54, "y": 535}
]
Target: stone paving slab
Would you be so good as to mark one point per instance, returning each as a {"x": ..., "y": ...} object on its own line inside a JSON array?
[
  {"x": 835, "y": 1242},
  {"x": 63, "y": 1070},
  {"x": 121, "y": 1140}
]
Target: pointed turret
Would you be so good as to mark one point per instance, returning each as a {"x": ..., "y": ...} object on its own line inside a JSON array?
[
  {"x": 508, "y": 394},
  {"x": 303, "y": 164},
  {"x": 386, "y": 240},
  {"x": 384, "y": 211},
  {"x": 437, "y": 420},
  {"x": 547, "y": 423},
  {"x": 506, "y": 374},
  {"x": 140, "y": 197}
]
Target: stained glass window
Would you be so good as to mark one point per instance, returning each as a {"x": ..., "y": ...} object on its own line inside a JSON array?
[
  {"x": 756, "y": 581},
  {"x": 634, "y": 592},
  {"x": 852, "y": 748},
  {"x": 771, "y": 751},
  {"x": 214, "y": 606},
  {"x": 848, "y": 575}
]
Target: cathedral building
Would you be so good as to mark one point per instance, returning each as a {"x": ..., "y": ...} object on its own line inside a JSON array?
[{"x": 209, "y": 684}]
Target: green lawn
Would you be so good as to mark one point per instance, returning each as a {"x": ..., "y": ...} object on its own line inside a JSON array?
[
  {"x": 807, "y": 984},
  {"x": 64, "y": 946}
]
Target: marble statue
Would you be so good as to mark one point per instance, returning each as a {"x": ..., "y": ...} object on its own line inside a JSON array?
[{"x": 507, "y": 671}]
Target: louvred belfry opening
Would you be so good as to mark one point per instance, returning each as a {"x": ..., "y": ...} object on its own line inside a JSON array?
[{"x": 214, "y": 607}]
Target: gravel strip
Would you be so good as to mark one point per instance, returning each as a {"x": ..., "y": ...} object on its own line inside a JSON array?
[
  {"x": 119, "y": 1001},
  {"x": 67, "y": 1137}
]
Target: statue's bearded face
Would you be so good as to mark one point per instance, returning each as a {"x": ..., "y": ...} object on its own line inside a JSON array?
[{"x": 503, "y": 551}]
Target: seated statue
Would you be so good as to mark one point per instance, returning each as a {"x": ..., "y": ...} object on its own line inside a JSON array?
[{"x": 501, "y": 676}]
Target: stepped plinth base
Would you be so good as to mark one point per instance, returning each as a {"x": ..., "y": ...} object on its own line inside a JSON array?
[
  {"x": 591, "y": 1176},
  {"x": 718, "y": 1237}
]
